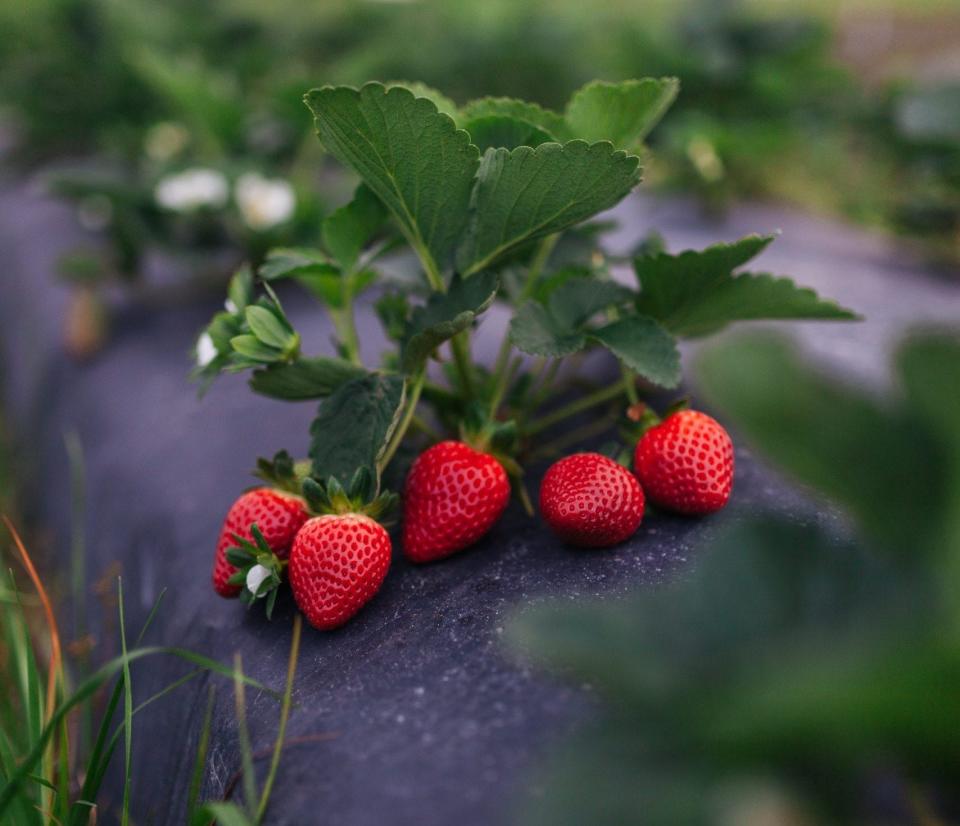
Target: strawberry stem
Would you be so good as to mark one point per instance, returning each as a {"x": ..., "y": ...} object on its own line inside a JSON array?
[
  {"x": 408, "y": 416},
  {"x": 598, "y": 397}
]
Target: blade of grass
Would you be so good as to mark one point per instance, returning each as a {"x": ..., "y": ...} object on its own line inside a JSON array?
[
  {"x": 203, "y": 744},
  {"x": 226, "y": 814},
  {"x": 91, "y": 685},
  {"x": 284, "y": 717},
  {"x": 127, "y": 712},
  {"x": 78, "y": 575},
  {"x": 99, "y": 760},
  {"x": 246, "y": 752},
  {"x": 55, "y": 666}
]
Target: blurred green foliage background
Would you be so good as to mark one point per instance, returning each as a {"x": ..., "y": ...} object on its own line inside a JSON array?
[{"x": 850, "y": 109}]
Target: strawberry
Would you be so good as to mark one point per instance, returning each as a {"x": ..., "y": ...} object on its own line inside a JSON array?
[
  {"x": 685, "y": 463},
  {"x": 277, "y": 514},
  {"x": 454, "y": 494},
  {"x": 591, "y": 501},
  {"x": 337, "y": 564}
]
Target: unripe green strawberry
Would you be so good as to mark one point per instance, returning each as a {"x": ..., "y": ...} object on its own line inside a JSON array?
[
  {"x": 453, "y": 496},
  {"x": 277, "y": 514},
  {"x": 338, "y": 562},
  {"x": 685, "y": 463},
  {"x": 591, "y": 501}
]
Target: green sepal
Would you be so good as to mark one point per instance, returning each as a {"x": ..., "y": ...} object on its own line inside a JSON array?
[{"x": 281, "y": 472}]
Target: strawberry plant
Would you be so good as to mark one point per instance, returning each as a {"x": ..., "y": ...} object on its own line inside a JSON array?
[{"x": 494, "y": 200}]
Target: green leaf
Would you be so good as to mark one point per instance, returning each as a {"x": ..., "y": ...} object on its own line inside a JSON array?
[
  {"x": 577, "y": 300},
  {"x": 527, "y": 193},
  {"x": 445, "y": 315},
  {"x": 837, "y": 439},
  {"x": 437, "y": 98},
  {"x": 550, "y": 122},
  {"x": 535, "y": 331},
  {"x": 622, "y": 113},
  {"x": 501, "y": 130},
  {"x": 250, "y": 347},
  {"x": 269, "y": 329},
  {"x": 288, "y": 262},
  {"x": 349, "y": 229},
  {"x": 643, "y": 346},
  {"x": 305, "y": 378},
  {"x": 240, "y": 289},
  {"x": 695, "y": 292},
  {"x": 353, "y": 426},
  {"x": 310, "y": 268},
  {"x": 753, "y": 296},
  {"x": 555, "y": 330},
  {"x": 413, "y": 158}
]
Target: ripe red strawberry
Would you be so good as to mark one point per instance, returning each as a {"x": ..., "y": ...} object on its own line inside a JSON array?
[
  {"x": 591, "y": 501},
  {"x": 685, "y": 463},
  {"x": 338, "y": 562},
  {"x": 278, "y": 516},
  {"x": 453, "y": 496}
]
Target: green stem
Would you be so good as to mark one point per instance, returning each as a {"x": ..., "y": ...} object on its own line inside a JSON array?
[
  {"x": 460, "y": 347},
  {"x": 578, "y": 434},
  {"x": 343, "y": 323},
  {"x": 284, "y": 716},
  {"x": 630, "y": 384},
  {"x": 425, "y": 427},
  {"x": 404, "y": 424},
  {"x": 545, "y": 378},
  {"x": 502, "y": 363},
  {"x": 604, "y": 394},
  {"x": 503, "y": 382}
]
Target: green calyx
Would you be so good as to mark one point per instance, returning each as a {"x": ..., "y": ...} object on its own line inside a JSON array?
[
  {"x": 359, "y": 496},
  {"x": 282, "y": 472},
  {"x": 247, "y": 556}
]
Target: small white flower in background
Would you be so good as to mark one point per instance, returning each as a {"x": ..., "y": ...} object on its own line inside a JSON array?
[
  {"x": 229, "y": 306},
  {"x": 192, "y": 189},
  {"x": 255, "y": 577},
  {"x": 206, "y": 350},
  {"x": 264, "y": 202},
  {"x": 164, "y": 140}
]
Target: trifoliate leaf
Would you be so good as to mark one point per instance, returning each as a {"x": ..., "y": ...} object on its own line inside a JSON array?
[
  {"x": 305, "y": 378},
  {"x": 527, "y": 193},
  {"x": 643, "y": 346},
  {"x": 577, "y": 300},
  {"x": 502, "y": 130},
  {"x": 622, "y": 113},
  {"x": 413, "y": 158},
  {"x": 349, "y": 229},
  {"x": 695, "y": 292},
  {"x": 535, "y": 331},
  {"x": 353, "y": 426},
  {"x": 550, "y": 122},
  {"x": 445, "y": 315}
]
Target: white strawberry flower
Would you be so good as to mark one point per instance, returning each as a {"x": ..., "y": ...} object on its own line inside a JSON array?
[
  {"x": 229, "y": 306},
  {"x": 255, "y": 578},
  {"x": 264, "y": 202},
  {"x": 192, "y": 189},
  {"x": 206, "y": 350}
]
